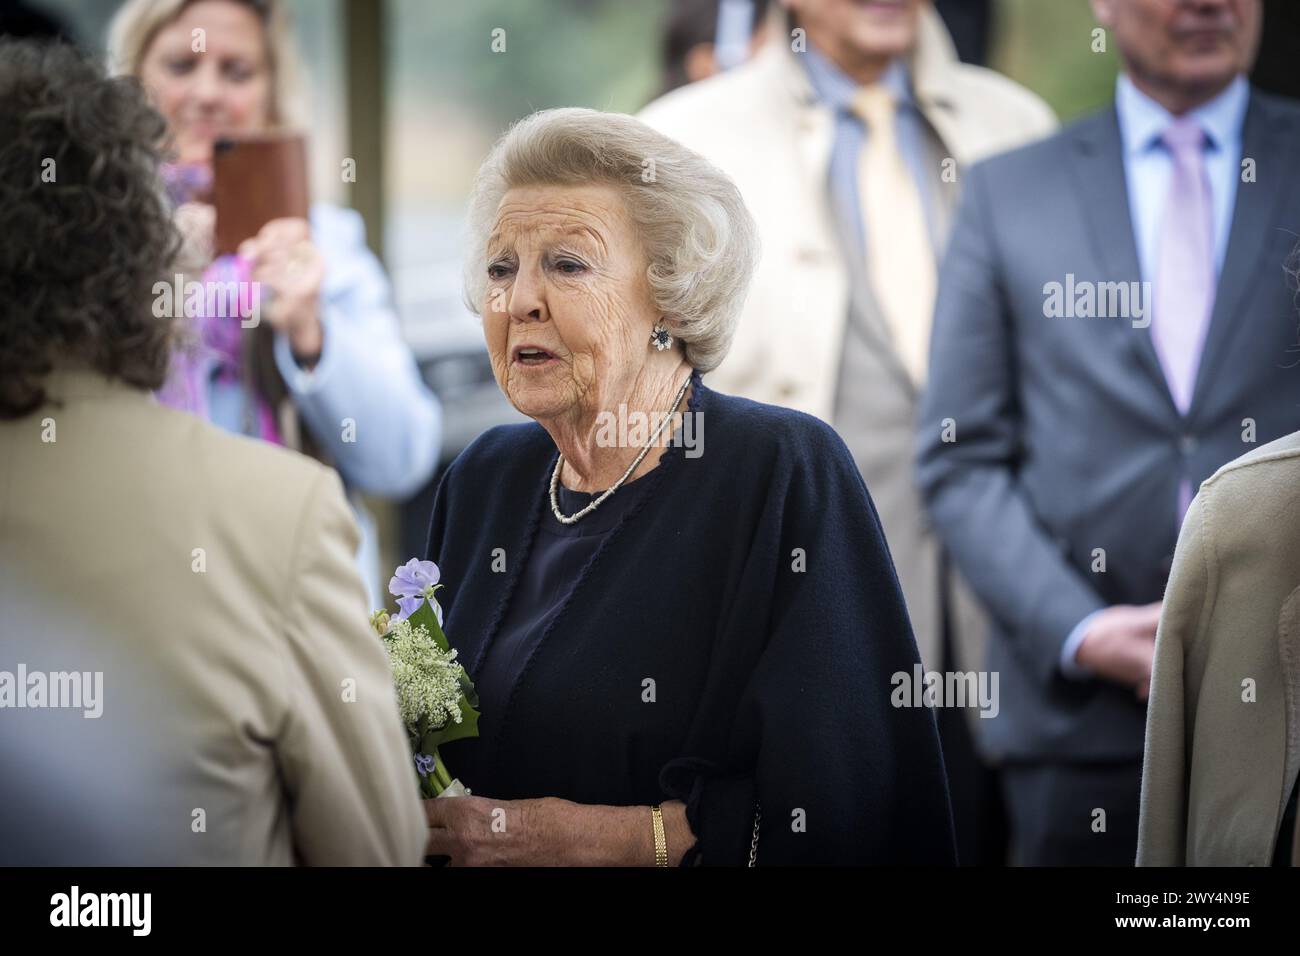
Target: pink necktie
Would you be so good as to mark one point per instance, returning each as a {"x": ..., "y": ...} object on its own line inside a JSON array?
[
  {"x": 1184, "y": 284},
  {"x": 1184, "y": 287}
]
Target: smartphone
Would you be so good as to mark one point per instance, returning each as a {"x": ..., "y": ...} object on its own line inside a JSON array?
[{"x": 256, "y": 179}]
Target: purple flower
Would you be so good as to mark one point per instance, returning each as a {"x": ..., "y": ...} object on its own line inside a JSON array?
[
  {"x": 412, "y": 584},
  {"x": 415, "y": 578},
  {"x": 423, "y": 764},
  {"x": 408, "y": 606}
]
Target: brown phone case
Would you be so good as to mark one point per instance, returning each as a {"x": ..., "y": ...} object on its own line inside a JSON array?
[{"x": 256, "y": 179}]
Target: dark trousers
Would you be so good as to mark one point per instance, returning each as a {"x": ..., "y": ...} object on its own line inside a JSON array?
[
  {"x": 979, "y": 818},
  {"x": 1052, "y": 807}
]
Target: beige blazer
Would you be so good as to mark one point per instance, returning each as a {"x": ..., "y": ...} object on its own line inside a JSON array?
[
  {"x": 212, "y": 578},
  {"x": 762, "y": 125},
  {"x": 1223, "y": 722}
]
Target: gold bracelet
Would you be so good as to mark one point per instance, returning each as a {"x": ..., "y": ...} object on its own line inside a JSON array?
[{"x": 661, "y": 841}]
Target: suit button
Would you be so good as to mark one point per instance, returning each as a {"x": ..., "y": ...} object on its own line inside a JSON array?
[{"x": 1188, "y": 444}]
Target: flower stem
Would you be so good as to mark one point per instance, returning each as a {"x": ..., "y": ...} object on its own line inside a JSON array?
[
  {"x": 428, "y": 786},
  {"x": 440, "y": 772}
]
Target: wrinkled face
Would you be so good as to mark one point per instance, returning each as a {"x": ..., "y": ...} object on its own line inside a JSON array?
[
  {"x": 567, "y": 313},
  {"x": 871, "y": 29},
  {"x": 222, "y": 88},
  {"x": 1192, "y": 46}
]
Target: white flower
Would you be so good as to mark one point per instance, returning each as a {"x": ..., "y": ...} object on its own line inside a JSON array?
[{"x": 427, "y": 677}]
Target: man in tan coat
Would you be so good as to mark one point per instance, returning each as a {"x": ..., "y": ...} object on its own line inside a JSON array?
[
  {"x": 186, "y": 671},
  {"x": 848, "y": 134}
]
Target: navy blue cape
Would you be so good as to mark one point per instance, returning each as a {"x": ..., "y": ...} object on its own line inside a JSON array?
[{"x": 731, "y": 644}]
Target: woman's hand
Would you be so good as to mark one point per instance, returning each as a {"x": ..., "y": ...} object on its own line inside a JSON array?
[
  {"x": 480, "y": 831},
  {"x": 286, "y": 262},
  {"x": 477, "y": 831}
]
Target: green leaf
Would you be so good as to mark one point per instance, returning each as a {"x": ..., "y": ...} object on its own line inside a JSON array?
[
  {"x": 468, "y": 727},
  {"x": 426, "y": 616},
  {"x": 467, "y": 688}
]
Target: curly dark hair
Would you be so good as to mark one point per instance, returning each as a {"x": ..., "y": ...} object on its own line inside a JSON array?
[{"x": 84, "y": 238}]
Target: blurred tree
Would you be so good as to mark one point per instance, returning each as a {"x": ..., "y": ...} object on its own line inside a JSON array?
[
  {"x": 1048, "y": 46},
  {"x": 558, "y": 53}
]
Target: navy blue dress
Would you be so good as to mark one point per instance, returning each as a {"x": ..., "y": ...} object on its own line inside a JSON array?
[
  {"x": 559, "y": 554},
  {"x": 725, "y": 635}
]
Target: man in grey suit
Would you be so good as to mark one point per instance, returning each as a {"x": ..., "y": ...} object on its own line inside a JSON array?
[{"x": 1112, "y": 325}]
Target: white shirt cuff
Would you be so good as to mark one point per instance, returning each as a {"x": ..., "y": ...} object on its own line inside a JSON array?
[
  {"x": 1069, "y": 666},
  {"x": 299, "y": 380}
]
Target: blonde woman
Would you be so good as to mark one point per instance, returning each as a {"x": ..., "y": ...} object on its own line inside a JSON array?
[{"x": 329, "y": 350}]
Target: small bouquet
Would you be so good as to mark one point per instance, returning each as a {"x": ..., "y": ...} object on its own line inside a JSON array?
[{"x": 435, "y": 696}]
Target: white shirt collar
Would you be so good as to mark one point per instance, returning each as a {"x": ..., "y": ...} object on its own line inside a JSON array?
[{"x": 1142, "y": 120}]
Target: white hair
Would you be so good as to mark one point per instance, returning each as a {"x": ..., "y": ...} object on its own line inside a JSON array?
[{"x": 700, "y": 241}]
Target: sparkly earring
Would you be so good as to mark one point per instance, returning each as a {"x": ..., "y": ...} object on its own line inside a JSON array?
[{"x": 660, "y": 338}]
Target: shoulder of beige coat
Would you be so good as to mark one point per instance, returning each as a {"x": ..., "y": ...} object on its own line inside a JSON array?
[
  {"x": 1245, "y": 499},
  {"x": 723, "y": 103},
  {"x": 1001, "y": 99},
  {"x": 1275, "y": 465}
]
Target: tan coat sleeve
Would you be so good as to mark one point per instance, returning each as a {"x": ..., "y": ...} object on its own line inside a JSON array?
[
  {"x": 1171, "y": 711},
  {"x": 342, "y": 750}
]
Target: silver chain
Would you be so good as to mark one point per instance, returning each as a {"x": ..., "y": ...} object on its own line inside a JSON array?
[
  {"x": 555, "y": 476},
  {"x": 753, "y": 844}
]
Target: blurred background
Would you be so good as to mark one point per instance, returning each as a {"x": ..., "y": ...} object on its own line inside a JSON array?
[{"x": 416, "y": 91}]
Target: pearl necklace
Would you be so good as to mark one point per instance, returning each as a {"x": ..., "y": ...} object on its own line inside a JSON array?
[{"x": 555, "y": 476}]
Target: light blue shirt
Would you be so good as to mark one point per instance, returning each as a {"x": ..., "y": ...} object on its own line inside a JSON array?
[
  {"x": 836, "y": 89},
  {"x": 1148, "y": 169},
  {"x": 366, "y": 375},
  {"x": 1149, "y": 166}
]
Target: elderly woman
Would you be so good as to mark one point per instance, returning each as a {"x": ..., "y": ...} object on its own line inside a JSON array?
[
  {"x": 330, "y": 352},
  {"x": 683, "y": 648}
]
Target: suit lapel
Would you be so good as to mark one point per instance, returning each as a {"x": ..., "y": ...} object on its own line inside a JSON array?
[
  {"x": 1263, "y": 139},
  {"x": 1103, "y": 189}
]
